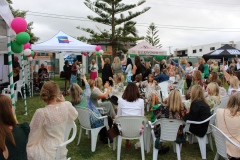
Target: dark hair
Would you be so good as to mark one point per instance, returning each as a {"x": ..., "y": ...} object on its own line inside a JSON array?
[
  {"x": 137, "y": 61},
  {"x": 129, "y": 61},
  {"x": 66, "y": 62},
  {"x": 190, "y": 63},
  {"x": 6, "y": 119},
  {"x": 131, "y": 93}
]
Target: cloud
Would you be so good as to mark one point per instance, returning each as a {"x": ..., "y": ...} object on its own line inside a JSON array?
[{"x": 207, "y": 14}]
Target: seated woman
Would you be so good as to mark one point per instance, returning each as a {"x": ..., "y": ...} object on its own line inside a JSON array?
[
  {"x": 222, "y": 90},
  {"x": 48, "y": 124},
  {"x": 13, "y": 136},
  {"x": 234, "y": 85},
  {"x": 213, "y": 97},
  {"x": 97, "y": 94},
  {"x": 198, "y": 111},
  {"x": 118, "y": 86},
  {"x": 130, "y": 104},
  {"x": 152, "y": 91},
  {"x": 80, "y": 99},
  {"x": 173, "y": 109},
  {"x": 228, "y": 121}
]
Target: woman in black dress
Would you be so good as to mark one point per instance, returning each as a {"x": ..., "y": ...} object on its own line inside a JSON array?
[
  {"x": 138, "y": 68},
  {"x": 67, "y": 70},
  {"x": 106, "y": 70}
]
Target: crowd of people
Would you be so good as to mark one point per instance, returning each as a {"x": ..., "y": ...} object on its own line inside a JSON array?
[{"x": 40, "y": 139}]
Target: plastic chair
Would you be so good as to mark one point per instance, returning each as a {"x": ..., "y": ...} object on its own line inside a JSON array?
[
  {"x": 220, "y": 140},
  {"x": 69, "y": 127},
  {"x": 130, "y": 127},
  {"x": 169, "y": 130},
  {"x": 201, "y": 140},
  {"x": 224, "y": 101},
  {"x": 84, "y": 120},
  {"x": 164, "y": 89},
  {"x": 19, "y": 86}
]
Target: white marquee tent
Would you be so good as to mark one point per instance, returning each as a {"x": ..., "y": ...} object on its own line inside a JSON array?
[
  {"x": 63, "y": 42},
  {"x": 144, "y": 48}
]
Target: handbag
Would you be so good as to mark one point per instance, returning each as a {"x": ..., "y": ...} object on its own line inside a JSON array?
[
  {"x": 189, "y": 76},
  {"x": 114, "y": 131}
]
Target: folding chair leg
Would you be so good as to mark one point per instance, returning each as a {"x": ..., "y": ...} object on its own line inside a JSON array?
[
  {"x": 94, "y": 136},
  {"x": 202, "y": 145},
  {"x": 178, "y": 151},
  {"x": 119, "y": 147},
  {"x": 80, "y": 134},
  {"x": 142, "y": 147},
  {"x": 210, "y": 141}
]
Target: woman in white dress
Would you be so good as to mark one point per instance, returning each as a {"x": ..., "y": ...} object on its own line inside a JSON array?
[
  {"x": 152, "y": 93},
  {"x": 48, "y": 124},
  {"x": 129, "y": 70}
]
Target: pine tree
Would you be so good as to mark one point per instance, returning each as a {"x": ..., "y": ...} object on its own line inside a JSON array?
[
  {"x": 107, "y": 11},
  {"x": 152, "y": 36},
  {"x": 18, "y": 13}
]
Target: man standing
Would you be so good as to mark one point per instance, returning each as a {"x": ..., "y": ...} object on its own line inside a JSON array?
[{"x": 16, "y": 69}]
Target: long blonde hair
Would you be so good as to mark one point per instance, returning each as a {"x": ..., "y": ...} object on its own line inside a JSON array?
[
  {"x": 116, "y": 61},
  {"x": 75, "y": 92},
  {"x": 119, "y": 78},
  {"x": 234, "y": 82},
  {"x": 99, "y": 83},
  {"x": 234, "y": 103},
  {"x": 213, "y": 89},
  {"x": 174, "y": 101},
  {"x": 183, "y": 61},
  {"x": 197, "y": 93}
]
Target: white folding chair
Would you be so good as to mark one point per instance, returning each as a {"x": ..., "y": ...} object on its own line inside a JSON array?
[
  {"x": 19, "y": 86},
  {"x": 201, "y": 140},
  {"x": 70, "y": 126},
  {"x": 169, "y": 130},
  {"x": 130, "y": 128},
  {"x": 220, "y": 140},
  {"x": 84, "y": 120},
  {"x": 224, "y": 101},
  {"x": 164, "y": 89}
]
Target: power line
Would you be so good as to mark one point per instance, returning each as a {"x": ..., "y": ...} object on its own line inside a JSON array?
[{"x": 139, "y": 24}]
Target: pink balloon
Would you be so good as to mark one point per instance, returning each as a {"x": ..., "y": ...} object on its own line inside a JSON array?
[
  {"x": 19, "y": 24},
  {"x": 98, "y": 48},
  {"x": 27, "y": 46}
]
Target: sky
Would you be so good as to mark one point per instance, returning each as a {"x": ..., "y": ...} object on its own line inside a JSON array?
[{"x": 181, "y": 23}]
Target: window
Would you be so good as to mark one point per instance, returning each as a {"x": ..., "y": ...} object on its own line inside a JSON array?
[
  {"x": 42, "y": 54},
  {"x": 200, "y": 50},
  {"x": 194, "y": 51},
  {"x": 104, "y": 48},
  {"x": 212, "y": 48},
  {"x": 37, "y": 62}
]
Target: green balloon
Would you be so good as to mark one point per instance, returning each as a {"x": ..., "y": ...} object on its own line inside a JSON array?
[
  {"x": 24, "y": 57},
  {"x": 22, "y": 38},
  {"x": 97, "y": 53},
  {"x": 16, "y": 47},
  {"x": 32, "y": 54}
]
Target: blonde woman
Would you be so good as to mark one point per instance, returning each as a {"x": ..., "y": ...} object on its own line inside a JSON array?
[
  {"x": 215, "y": 67},
  {"x": 213, "y": 97},
  {"x": 228, "y": 121},
  {"x": 106, "y": 70},
  {"x": 199, "y": 110},
  {"x": 118, "y": 86},
  {"x": 48, "y": 124},
  {"x": 201, "y": 65},
  {"x": 234, "y": 85},
  {"x": 93, "y": 70},
  {"x": 147, "y": 71},
  {"x": 117, "y": 64}
]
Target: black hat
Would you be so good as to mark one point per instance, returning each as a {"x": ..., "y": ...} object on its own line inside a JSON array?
[{"x": 114, "y": 99}]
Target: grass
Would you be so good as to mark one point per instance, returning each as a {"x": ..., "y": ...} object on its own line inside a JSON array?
[{"x": 83, "y": 151}]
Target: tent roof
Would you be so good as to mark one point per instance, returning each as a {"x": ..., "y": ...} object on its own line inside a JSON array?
[
  {"x": 63, "y": 42},
  {"x": 224, "y": 51},
  {"x": 6, "y": 18},
  {"x": 146, "y": 49}
]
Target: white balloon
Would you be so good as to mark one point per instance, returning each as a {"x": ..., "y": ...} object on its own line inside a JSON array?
[
  {"x": 30, "y": 58},
  {"x": 27, "y": 52},
  {"x": 101, "y": 51}
]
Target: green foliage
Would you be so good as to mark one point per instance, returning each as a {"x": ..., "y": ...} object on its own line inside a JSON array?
[
  {"x": 152, "y": 36},
  {"x": 107, "y": 11},
  {"x": 18, "y": 13}
]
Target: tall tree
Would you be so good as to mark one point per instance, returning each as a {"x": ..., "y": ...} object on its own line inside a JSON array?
[
  {"x": 107, "y": 11},
  {"x": 18, "y": 13},
  {"x": 152, "y": 36}
]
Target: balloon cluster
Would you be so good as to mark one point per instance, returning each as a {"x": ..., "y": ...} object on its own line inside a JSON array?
[
  {"x": 21, "y": 43},
  {"x": 98, "y": 50}
]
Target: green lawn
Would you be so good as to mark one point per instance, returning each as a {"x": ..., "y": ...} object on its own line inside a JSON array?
[{"x": 83, "y": 151}]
